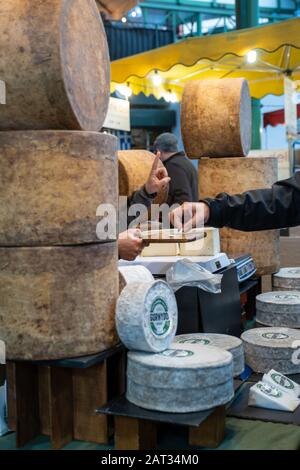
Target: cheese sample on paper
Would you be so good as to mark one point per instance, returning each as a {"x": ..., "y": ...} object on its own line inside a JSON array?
[
  {"x": 263, "y": 395},
  {"x": 283, "y": 383},
  {"x": 208, "y": 246}
]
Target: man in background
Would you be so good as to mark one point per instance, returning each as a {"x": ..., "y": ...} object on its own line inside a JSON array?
[{"x": 183, "y": 174}]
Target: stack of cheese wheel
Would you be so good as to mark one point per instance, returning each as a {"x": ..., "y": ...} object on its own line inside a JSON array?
[
  {"x": 182, "y": 379},
  {"x": 146, "y": 316},
  {"x": 287, "y": 279},
  {"x": 228, "y": 343},
  {"x": 58, "y": 276},
  {"x": 280, "y": 308},
  {"x": 272, "y": 348},
  {"x": 234, "y": 176}
]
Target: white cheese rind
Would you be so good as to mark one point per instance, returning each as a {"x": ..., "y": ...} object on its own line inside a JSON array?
[
  {"x": 183, "y": 379},
  {"x": 281, "y": 308},
  {"x": 228, "y": 343},
  {"x": 146, "y": 316}
]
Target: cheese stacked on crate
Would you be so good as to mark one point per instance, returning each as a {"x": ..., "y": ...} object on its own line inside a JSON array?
[
  {"x": 287, "y": 279},
  {"x": 279, "y": 308},
  {"x": 58, "y": 277},
  {"x": 55, "y": 62},
  {"x": 228, "y": 343},
  {"x": 272, "y": 348},
  {"x": 181, "y": 379}
]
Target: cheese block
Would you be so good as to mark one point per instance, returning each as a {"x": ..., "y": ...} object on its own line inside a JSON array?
[
  {"x": 128, "y": 274},
  {"x": 235, "y": 176},
  {"x": 281, "y": 308},
  {"x": 282, "y": 383},
  {"x": 287, "y": 279},
  {"x": 228, "y": 343},
  {"x": 161, "y": 249},
  {"x": 208, "y": 246},
  {"x": 146, "y": 316},
  {"x": 55, "y": 62},
  {"x": 272, "y": 348},
  {"x": 216, "y": 118},
  {"x": 282, "y": 156},
  {"x": 263, "y": 395},
  {"x": 51, "y": 185},
  {"x": 181, "y": 379},
  {"x": 58, "y": 302}
]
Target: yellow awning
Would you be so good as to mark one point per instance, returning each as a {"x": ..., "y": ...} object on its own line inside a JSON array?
[{"x": 217, "y": 56}]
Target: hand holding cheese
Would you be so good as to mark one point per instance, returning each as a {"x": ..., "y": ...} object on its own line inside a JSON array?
[
  {"x": 130, "y": 244},
  {"x": 158, "y": 178}
]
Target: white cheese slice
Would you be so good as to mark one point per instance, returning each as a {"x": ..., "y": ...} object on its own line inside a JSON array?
[
  {"x": 161, "y": 249},
  {"x": 263, "y": 395},
  {"x": 208, "y": 246},
  {"x": 282, "y": 382}
]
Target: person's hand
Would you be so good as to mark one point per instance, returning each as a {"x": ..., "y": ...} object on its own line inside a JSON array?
[
  {"x": 158, "y": 178},
  {"x": 130, "y": 244},
  {"x": 190, "y": 215}
]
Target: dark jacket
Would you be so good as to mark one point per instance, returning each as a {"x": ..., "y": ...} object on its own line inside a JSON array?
[
  {"x": 184, "y": 179},
  {"x": 261, "y": 209}
]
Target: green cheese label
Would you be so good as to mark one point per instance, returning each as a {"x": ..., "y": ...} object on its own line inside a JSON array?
[
  {"x": 283, "y": 381},
  {"x": 160, "y": 322},
  {"x": 203, "y": 341},
  {"x": 287, "y": 297},
  {"x": 270, "y": 391},
  {"x": 177, "y": 353},
  {"x": 275, "y": 335}
]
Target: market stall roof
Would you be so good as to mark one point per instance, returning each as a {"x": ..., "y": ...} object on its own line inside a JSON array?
[
  {"x": 274, "y": 118},
  {"x": 218, "y": 56},
  {"x": 116, "y": 8}
]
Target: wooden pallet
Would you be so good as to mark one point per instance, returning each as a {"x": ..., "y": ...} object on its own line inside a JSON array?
[
  {"x": 136, "y": 428},
  {"x": 59, "y": 398}
]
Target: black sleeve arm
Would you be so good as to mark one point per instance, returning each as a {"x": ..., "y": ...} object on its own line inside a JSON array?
[{"x": 262, "y": 209}]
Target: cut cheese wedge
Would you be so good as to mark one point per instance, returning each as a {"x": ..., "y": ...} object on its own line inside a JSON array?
[{"x": 263, "y": 395}]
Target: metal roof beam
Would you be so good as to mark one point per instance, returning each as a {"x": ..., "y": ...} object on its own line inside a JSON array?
[{"x": 213, "y": 8}]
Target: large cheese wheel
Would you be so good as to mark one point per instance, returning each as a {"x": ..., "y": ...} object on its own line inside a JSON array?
[
  {"x": 228, "y": 343},
  {"x": 58, "y": 302},
  {"x": 51, "y": 184},
  {"x": 146, "y": 316},
  {"x": 182, "y": 379},
  {"x": 216, "y": 118},
  {"x": 234, "y": 176},
  {"x": 287, "y": 279},
  {"x": 272, "y": 348},
  {"x": 280, "y": 308},
  {"x": 55, "y": 62},
  {"x": 134, "y": 169}
]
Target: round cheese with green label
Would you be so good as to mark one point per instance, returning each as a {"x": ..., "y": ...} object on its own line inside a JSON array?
[
  {"x": 280, "y": 308},
  {"x": 287, "y": 279},
  {"x": 228, "y": 343},
  {"x": 146, "y": 316},
  {"x": 181, "y": 379},
  {"x": 272, "y": 348}
]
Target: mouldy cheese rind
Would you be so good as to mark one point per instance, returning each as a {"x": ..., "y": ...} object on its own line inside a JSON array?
[
  {"x": 146, "y": 316},
  {"x": 229, "y": 343},
  {"x": 184, "y": 378}
]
